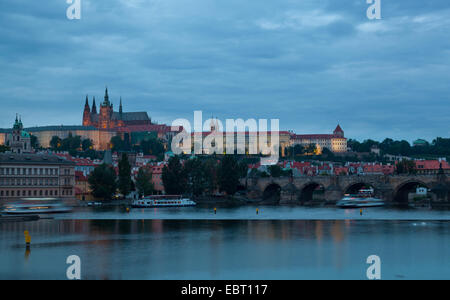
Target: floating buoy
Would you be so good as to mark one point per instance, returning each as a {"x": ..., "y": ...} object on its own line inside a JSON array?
[{"x": 27, "y": 238}]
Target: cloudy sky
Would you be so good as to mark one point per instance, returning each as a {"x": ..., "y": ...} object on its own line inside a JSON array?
[{"x": 310, "y": 63}]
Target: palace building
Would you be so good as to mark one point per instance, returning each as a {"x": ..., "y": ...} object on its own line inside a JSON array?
[
  {"x": 335, "y": 142},
  {"x": 35, "y": 175}
]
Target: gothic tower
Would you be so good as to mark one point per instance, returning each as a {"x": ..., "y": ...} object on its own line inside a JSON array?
[
  {"x": 87, "y": 121},
  {"x": 94, "y": 107},
  {"x": 106, "y": 112}
]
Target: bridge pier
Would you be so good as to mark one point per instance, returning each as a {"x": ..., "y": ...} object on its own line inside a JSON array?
[
  {"x": 289, "y": 194},
  {"x": 333, "y": 194}
]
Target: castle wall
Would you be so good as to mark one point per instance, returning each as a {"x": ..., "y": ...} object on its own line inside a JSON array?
[{"x": 99, "y": 138}]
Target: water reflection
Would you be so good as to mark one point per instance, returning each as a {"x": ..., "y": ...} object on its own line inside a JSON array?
[{"x": 219, "y": 249}]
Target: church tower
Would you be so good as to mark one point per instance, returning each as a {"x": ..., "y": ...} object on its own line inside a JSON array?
[
  {"x": 106, "y": 112},
  {"x": 338, "y": 131},
  {"x": 87, "y": 114},
  {"x": 19, "y": 141}
]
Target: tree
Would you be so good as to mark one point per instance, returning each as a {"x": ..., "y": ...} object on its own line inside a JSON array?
[
  {"x": 311, "y": 149},
  {"x": 153, "y": 146},
  {"x": 117, "y": 144},
  {"x": 87, "y": 144},
  {"x": 55, "y": 142},
  {"x": 102, "y": 182},
  {"x": 4, "y": 148},
  {"x": 144, "y": 183},
  {"x": 34, "y": 142},
  {"x": 406, "y": 167},
  {"x": 275, "y": 171},
  {"x": 228, "y": 175},
  {"x": 243, "y": 169},
  {"x": 298, "y": 150},
  {"x": 174, "y": 177},
  {"x": 328, "y": 153},
  {"x": 125, "y": 182},
  {"x": 196, "y": 176},
  {"x": 210, "y": 167}
]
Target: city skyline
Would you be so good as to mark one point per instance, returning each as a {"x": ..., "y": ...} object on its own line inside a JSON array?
[{"x": 312, "y": 64}]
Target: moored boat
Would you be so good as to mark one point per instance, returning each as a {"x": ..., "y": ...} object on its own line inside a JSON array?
[
  {"x": 36, "y": 206},
  {"x": 162, "y": 201},
  {"x": 364, "y": 198}
]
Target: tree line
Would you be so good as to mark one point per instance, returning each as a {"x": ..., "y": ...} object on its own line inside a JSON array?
[
  {"x": 203, "y": 176},
  {"x": 105, "y": 183},
  {"x": 439, "y": 146}
]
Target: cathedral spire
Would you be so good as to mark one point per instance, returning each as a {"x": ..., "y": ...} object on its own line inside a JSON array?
[
  {"x": 86, "y": 105},
  {"x": 120, "y": 107},
  {"x": 106, "y": 102},
  {"x": 94, "y": 107}
]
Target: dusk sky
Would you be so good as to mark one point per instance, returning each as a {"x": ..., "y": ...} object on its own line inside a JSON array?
[{"x": 312, "y": 64}]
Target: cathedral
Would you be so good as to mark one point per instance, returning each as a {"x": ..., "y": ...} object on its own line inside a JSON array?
[{"x": 107, "y": 119}]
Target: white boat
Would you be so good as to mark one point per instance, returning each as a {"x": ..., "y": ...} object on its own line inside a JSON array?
[
  {"x": 36, "y": 206},
  {"x": 162, "y": 201},
  {"x": 364, "y": 198}
]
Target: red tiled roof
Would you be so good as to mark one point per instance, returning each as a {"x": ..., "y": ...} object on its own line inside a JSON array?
[
  {"x": 315, "y": 136},
  {"x": 431, "y": 165},
  {"x": 160, "y": 128},
  {"x": 338, "y": 129}
]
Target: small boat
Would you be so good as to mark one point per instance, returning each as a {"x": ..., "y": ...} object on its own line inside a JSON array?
[
  {"x": 162, "y": 201},
  {"x": 36, "y": 206},
  {"x": 364, "y": 198}
]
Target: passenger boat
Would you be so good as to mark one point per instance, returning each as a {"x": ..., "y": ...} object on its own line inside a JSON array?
[
  {"x": 36, "y": 206},
  {"x": 364, "y": 198},
  {"x": 162, "y": 201}
]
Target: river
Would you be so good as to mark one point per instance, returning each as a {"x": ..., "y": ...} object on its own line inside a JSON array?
[{"x": 280, "y": 242}]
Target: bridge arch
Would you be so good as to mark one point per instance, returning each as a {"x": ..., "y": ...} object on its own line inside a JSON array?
[
  {"x": 402, "y": 191},
  {"x": 309, "y": 190},
  {"x": 272, "y": 193},
  {"x": 354, "y": 187}
]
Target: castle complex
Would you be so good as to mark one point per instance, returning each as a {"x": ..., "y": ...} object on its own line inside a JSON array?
[
  {"x": 102, "y": 123},
  {"x": 99, "y": 126}
]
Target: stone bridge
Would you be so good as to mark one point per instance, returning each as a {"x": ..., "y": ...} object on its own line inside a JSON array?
[{"x": 306, "y": 190}]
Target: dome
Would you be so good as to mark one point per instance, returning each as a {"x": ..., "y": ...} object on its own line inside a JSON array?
[{"x": 25, "y": 134}]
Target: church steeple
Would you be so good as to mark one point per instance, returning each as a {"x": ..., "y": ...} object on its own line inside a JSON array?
[
  {"x": 94, "y": 107},
  {"x": 16, "y": 123},
  {"x": 87, "y": 114},
  {"x": 106, "y": 102},
  {"x": 86, "y": 105},
  {"x": 120, "y": 107}
]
